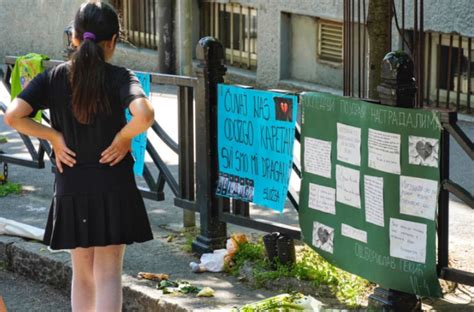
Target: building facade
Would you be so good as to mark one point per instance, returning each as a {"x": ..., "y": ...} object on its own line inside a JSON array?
[{"x": 288, "y": 44}]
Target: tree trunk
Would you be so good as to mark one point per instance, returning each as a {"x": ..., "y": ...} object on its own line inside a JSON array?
[{"x": 378, "y": 27}]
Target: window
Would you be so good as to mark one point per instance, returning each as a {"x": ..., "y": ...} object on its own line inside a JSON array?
[
  {"x": 236, "y": 27},
  {"x": 330, "y": 41},
  {"x": 138, "y": 21},
  {"x": 449, "y": 70}
]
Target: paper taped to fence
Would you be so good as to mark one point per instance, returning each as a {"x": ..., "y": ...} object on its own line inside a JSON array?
[
  {"x": 382, "y": 164},
  {"x": 139, "y": 142},
  {"x": 256, "y": 131}
]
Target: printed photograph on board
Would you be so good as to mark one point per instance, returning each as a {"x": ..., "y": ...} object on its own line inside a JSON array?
[
  {"x": 423, "y": 151},
  {"x": 283, "y": 109},
  {"x": 323, "y": 237}
]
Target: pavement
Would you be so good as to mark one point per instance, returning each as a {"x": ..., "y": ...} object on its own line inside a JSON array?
[{"x": 32, "y": 260}]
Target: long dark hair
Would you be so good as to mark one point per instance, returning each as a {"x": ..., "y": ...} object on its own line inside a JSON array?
[{"x": 88, "y": 81}]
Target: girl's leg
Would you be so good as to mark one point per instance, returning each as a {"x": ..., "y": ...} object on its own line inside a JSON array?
[
  {"x": 83, "y": 284},
  {"x": 108, "y": 263}
]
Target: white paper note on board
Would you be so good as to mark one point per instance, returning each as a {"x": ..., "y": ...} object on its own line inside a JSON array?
[
  {"x": 347, "y": 186},
  {"x": 317, "y": 157},
  {"x": 418, "y": 197},
  {"x": 373, "y": 192},
  {"x": 348, "y": 144},
  {"x": 408, "y": 240},
  {"x": 352, "y": 232},
  {"x": 384, "y": 151},
  {"x": 322, "y": 198}
]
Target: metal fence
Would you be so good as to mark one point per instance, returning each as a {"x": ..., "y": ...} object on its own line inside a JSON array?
[
  {"x": 444, "y": 80},
  {"x": 139, "y": 21},
  {"x": 183, "y": 188},
  {"x": 235, "y": 26},
  {"x": 444, "y": 69}
]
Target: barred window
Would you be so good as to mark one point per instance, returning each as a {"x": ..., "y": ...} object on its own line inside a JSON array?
[
  {"x": 330, "y": 41},
  {"x": 235, "y": 26},
  {"x": 138, "y": 21}
]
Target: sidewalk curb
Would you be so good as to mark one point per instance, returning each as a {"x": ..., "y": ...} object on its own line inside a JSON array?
[{"x": 55, "y": 270}]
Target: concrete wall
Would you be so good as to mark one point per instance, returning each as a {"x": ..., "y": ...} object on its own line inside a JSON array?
[
  {"x": 304, "y": 64},
  {"x": 284, "y": 50},
  {"x": 35, "y": 26},
  {"x": 287, "y": 36},
  {"x": 444, "y": 15},
  {"x": 38, "y": 26}
]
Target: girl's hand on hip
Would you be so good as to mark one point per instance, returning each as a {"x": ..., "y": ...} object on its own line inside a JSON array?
[
  {"x": 63, "y": 155},
  {"x": 116, "y": 151}
]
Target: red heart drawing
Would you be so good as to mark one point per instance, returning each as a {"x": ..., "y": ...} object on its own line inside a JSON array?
[{"x": 284, "y": 107}]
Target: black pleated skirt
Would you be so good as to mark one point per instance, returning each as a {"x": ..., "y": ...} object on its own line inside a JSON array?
[{"x": 96, "y": 205}]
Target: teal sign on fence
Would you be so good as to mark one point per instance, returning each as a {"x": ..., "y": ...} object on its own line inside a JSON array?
[
  {"x": 139, "y": 142},
  {"x": 256, "y": 131}
]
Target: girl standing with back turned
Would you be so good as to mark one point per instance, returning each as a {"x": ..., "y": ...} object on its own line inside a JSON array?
[{"x": 97, "y": 209}]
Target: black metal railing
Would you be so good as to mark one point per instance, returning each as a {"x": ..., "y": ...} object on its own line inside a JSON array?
[
  {"x": 451, "y": 130},
  {"x": 444, "y": 80},
  {"x": 444, "y": 66},
  {"x": 139, "y": 19},
  {"x": 183, "y": 188},
  {"x": 235, "y": 25}
]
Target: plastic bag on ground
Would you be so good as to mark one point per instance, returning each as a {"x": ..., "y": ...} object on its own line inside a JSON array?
[{"x": 214, "y": 262}]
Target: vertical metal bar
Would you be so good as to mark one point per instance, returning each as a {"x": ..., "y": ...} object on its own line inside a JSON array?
[
  {"x": 443, "y": 203},
  {"x": 421, "y": 55},
  {"x": 450, "y": 60},
  {"x": 231, "y": 34},
  {"x": 359, "y": 56},
  {"x": 241, "y": 39},
  {"x": 415, "y": 52},
  {"x": 348, "y": 55},
  {"x": 352, "y": 47},
  {"x": 458, "y": 94},
  {"x": 469, "y": 56},
  {"x": 125, "y": 16},
  {"x": 364, "y": 69},
  {"x": 148, "y": 31},
  {"x": 389, "y": 21},
  {"x": 143, "y": 30},
  {"x": 222, "y": 26},
  {"x": 130, "y": 34},
  {"x": 154, "y": 24},
  {"x": 211, "y": 20},
  {"x": 254, "y": 40},
  {"x": 438, "y": 69},
  {"x": 218, "y": 20},
  {"x": 249, "y": 26},
  {"x": 428, "y": 69},
  {"x": 403, "y": 25},
  {"x": 135, "y": 22},
  {"x": 186, "y": 143},
  {"x": 344, "y": 19}
]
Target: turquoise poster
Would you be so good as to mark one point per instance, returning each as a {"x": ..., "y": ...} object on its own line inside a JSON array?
[
  {"x": 255, "y": 134},
  {"x": 139, "y": 142}
]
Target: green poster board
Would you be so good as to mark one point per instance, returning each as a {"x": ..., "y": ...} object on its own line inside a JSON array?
[{"x": 368, "y": 200}]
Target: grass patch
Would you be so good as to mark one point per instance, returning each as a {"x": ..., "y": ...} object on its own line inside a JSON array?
[
  {"x": 189, "y": 235},
  {"x": 348, "y": 288},
  {"x": 9, "y": 188}
]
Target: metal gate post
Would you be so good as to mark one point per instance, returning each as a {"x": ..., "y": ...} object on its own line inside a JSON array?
[
  {"x": 210, "y": 71},
  {"x": 397, "y": 89}
]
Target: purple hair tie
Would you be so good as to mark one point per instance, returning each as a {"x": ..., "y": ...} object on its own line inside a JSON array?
[{"x": 88, "y": 36}]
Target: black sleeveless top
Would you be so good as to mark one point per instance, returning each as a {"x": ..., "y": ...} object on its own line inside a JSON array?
[{"x": 52, "y": 90}]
